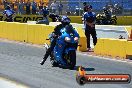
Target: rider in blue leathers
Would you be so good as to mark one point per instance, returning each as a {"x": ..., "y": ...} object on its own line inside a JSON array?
[
  {"x": 8, "y": 13},
  {"x": 64, "y": 22}
]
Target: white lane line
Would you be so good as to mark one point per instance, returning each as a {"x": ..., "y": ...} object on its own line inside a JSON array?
[
  {"x": 105, "y": 58},
  {"x": 6, "y": 83},
  {"x": 80, "y": 53}
]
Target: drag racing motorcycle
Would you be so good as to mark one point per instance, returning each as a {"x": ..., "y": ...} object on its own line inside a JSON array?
[
  {"x": 66, "y": 46},
  {"x": 102, "y": 19}
]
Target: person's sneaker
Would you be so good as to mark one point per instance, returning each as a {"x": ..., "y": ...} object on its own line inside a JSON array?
[{"x": 89, "y": 49}]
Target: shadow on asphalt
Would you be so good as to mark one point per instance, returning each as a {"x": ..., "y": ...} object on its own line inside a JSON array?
[
  {"x": 89, "y": 69},
  {"x": 77, "y": 67},
  {"x": 85, "y": 68}
]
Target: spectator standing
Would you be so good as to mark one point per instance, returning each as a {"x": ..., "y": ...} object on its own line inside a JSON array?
[
  {"x": 54, "y": 7},
  {"x": 21, "y": 7},
  {"x": 45, "y": 12},
  {"x": 6, "y": 3},
  {"x": 89, "y": 22},
  {"x": 60, "y": 7},
  {"x": 28, "y": 4},
  {"x": 85, "y": 6},
  {"x": 40, "y": 5},
  {"x": 34, "y": 7},
  {"x": 12, "y": 4}
]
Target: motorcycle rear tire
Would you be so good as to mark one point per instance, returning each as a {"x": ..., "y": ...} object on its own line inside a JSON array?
[{"x": 113, "y": 21}]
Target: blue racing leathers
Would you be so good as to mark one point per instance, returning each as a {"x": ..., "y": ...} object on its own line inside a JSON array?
[{"x": 9, "y": 15}]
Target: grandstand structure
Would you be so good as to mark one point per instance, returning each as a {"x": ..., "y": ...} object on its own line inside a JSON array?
[
  {"x": 16, "y": 1},
  {"x": 64, "y": 2},
  {"x": 99, "y": 4},
  {"x": 71, "y": 5}
]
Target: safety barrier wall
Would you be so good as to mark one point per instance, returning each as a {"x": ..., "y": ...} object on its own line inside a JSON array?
[
  {"x": 114, "y": 47},
  {"x": 121, "y": 20},
  {"x": 38, "y": 33},
  {"x": 32, "y": 33}
]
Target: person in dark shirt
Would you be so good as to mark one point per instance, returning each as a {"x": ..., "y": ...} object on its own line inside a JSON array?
[
  {"x": 45, "y": 11},
  {"x": 60, "y": 8},
  {"x": 28, "y": 4},
  {"x": 89, "y": 19},
  {"x": 6, "y": 3},
  {"x": 40, "y": 5},
  {"x": 65, "y": 21},
  {"x": 34, "y": 7}
]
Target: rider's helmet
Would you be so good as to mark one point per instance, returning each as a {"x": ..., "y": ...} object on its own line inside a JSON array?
[{"x": 65, "y": 20}]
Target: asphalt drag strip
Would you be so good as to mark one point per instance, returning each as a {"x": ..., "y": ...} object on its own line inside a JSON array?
[{"x": 20, "y": 62}]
